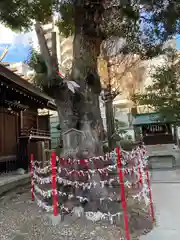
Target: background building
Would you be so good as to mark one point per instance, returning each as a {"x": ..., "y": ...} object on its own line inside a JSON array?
[
  {"x": 22, "y": 68},
  {"x": 64, "y": 46}
]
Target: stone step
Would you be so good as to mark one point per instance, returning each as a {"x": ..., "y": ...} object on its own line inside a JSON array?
[
  {"x": 10, "y": 182},
  {"x": 171, "y": 176}
]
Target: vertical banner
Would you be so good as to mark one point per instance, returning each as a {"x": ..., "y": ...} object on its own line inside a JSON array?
[
  {"x": 122, "y": 193},
  {"x": 54, "y": 189},
  {"x": 32, "y": 175}
]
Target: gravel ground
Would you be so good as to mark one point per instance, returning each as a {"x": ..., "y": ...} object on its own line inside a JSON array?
[{"x": 21, "y": 219}]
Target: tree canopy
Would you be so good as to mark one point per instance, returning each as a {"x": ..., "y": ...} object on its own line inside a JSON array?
[
  {"x": 144, "y": 24},
  {"x": 20, "y": 14},
  {"x": 37, "y": 63},
  {"x": 163, "y": 95}
]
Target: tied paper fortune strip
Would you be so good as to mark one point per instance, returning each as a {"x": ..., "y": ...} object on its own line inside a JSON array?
[
  {"x": 97, "y": 216},
  {"x": 85, "y": 186},
  {"x": 93, "y": 216},
  {"x": 43, "y": 205},
  {"x": 102, "y": 171},
  {"x": 109, "y": 156},
  {"x": 47, "y": 208},
  {"x": 106, "y": 157},
  {"x": 48, "y": 193}
]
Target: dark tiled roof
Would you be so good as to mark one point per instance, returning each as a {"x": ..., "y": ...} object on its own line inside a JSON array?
[
  {"x": 147, "y": 118},
  {"x": 25, "y": 85}
]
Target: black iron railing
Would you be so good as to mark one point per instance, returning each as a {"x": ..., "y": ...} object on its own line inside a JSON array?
[{"x": 8, "y": 165}]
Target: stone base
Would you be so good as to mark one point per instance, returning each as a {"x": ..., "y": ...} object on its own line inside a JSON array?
[
  {"x": 54, "y": 220},
  {"x": 78, "y": 211}
]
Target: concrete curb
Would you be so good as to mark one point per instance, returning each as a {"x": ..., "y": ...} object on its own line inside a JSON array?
[
  {"x": 165, "y": 182},
  {"x": 8, "y": 184}
]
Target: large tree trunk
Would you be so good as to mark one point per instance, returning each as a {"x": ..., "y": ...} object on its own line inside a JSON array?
[
  {"x": 82, "y": 111},
  {"x": 82, "y": 108},
  {"x": 84, "y": 72}
]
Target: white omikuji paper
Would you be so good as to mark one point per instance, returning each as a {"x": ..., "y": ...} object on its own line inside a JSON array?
[{"x": 140, "y": 164}]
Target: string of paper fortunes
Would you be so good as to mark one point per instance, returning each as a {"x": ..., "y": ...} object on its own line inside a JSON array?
[
  {"x": 70, "y": 195},
  {"x": 49, "y": 193},
  {"x": 134, "y": 154},
  {"x": 138, "y": 156},
  {"x": 84, "y": 185},
  {"x": 47, "y": 207},
  {"x": 92, "y": 171},
  {"x": 105, "y": 170},
  {"x": 88, "y": 185},
  {"x": 89, "y": 215},
  {"x": 88, "y": 172}
]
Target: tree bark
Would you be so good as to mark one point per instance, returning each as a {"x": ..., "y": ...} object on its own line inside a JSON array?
[
  {"x": 81, "y": 110},
  {"x": 110, "y": 119},
  {"x": 109, "y": 108},
  {"x": 44, "y": 49},
  {"x": 86, "y": 102}
]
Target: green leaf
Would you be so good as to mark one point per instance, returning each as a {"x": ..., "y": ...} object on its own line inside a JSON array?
[{"x": 164, "y": 92}]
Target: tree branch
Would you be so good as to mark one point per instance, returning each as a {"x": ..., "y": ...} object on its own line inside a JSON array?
[
  {"x": 134, "y": 64},
  {"x": 44, "y": 49}
]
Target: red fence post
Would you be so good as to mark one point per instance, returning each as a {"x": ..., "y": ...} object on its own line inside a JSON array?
[
  {"x": 54, "y": 189},
  {"x": 32, "y": 175},
  {"x": 122, "y": 193},
  {"x": 150, "y": 192},
  {"x": 139, "y": 170},
  {"x": 150, "y": 197}
]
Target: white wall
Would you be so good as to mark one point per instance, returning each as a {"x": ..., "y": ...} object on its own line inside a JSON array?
[
  {"x": 22, "y": 68},
  {"x": 122, "y": 115}
]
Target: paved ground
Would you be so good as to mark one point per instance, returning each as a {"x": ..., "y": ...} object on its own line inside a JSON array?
[{"x": 166, "y": 194}]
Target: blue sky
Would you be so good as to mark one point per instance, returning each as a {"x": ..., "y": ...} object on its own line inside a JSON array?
[
  {"x": 178, "y": 44},
  {"x": 178, "y": 41},
  {"x": 16, "y": 53},
  {"x": 20, "y": 52},
  {"x": 19, "y": 44}
]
